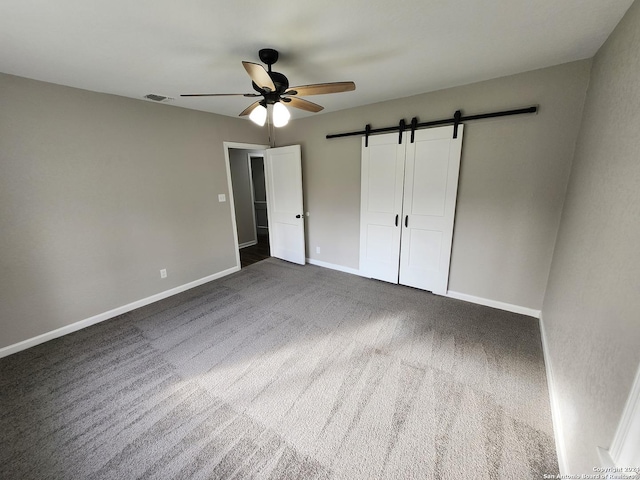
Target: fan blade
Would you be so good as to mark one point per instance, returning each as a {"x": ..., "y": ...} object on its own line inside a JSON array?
[
  {"x": 249, "y": 109},
  {"x": 221, "y": 95},
  {"x": 304, "y": 105},
  {"x": 259, "y": 76},
  {"x": 321, "y": 88}
]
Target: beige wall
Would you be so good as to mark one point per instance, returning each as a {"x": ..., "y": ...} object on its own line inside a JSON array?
[
  {"x": 591, "y": 310},
  {"x": 512, "y": 181},
  {"x": 97, "y": 194}
]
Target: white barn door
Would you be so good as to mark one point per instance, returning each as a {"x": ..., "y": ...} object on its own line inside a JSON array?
[
  {"x": 408, "y": 202},
  {"x": 381, "y": 206},
  {"x": 430, "y": 192},
  {"x": 283, "y": 181}
]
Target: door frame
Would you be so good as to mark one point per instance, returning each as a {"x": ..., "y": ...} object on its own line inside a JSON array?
[{"x": 227, "y": 164}]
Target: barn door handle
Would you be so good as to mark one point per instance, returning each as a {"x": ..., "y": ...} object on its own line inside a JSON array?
[
  {"x": 397, "y": 216},
  {"x": 406, "y": 221}
]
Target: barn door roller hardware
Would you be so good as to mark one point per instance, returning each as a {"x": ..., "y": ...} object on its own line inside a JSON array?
[{"x": 456, "y": 120}]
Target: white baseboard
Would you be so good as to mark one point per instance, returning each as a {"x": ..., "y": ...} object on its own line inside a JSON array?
[
  {"x": 605, "y": 459},
  {"x": 495, "y": 304},
  {"x": 59, "y": 332},
  {"x": 625, "y": 447},
  {"x": 333, "y": 266},
  {"x": 555, "y": 407},
  {"x": 248, "y": 244}
]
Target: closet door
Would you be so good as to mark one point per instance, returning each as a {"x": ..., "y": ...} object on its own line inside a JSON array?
[
  {"x": 381, "y": 206},
  {"x": 430, "y": 191}
]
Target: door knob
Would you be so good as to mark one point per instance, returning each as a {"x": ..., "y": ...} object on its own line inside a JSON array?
[{"x": 298, "y": 216}]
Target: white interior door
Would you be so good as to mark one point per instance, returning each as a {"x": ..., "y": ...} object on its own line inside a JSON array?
[
  {"x": 381, "y": 206},
  {"x": 283, "y": 175},
  {"x": 430, "y": 192}
]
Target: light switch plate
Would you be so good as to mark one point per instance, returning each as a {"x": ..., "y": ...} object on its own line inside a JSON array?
[{"x": 222, "y": 197}]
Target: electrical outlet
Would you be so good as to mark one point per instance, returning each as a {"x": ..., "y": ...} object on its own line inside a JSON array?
[
  {"x": 222, "y": 197},
  {"x": 317, "y": 249},
  {"x": 163, "y": 273}
]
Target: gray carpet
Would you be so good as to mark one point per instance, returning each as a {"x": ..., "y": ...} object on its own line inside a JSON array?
[{"x": 284, "y": 371}]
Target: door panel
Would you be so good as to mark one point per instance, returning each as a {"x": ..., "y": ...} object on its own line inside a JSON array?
[
  {"x": 430, "y": 191},
  {"x": 424, "y": 248},
  {"x": 380, "y": 244},
  {"x": 283, "y": 175},
  {"x": 382, "y": 178},
  {"x": 381, "y": 203},
  {"x": 430, "y": 178}
]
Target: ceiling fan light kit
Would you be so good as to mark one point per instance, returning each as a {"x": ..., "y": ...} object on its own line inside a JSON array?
[
  {"x": 274, "y": 89},
  {"x": 280, "y": 115},
  {"x": 258, "y": 115}
]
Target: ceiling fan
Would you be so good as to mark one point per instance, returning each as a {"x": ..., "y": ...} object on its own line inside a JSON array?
[{"x": 275, "y": 90}]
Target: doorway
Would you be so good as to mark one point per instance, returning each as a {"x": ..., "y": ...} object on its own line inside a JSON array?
[
  {"x": 249, "y": 203},
  {"x": 282, "y": 168},
  {"x": 260, "y": 250}
]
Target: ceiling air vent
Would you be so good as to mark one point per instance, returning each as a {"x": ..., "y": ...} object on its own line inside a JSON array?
[{"x": 158, "y": 98}]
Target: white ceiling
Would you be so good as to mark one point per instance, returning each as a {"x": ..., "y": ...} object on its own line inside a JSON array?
[{"x": 389, "y": 48}]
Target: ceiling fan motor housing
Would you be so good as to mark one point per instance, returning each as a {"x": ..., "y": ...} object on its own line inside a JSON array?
[{"x": 280, "y": 81}]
